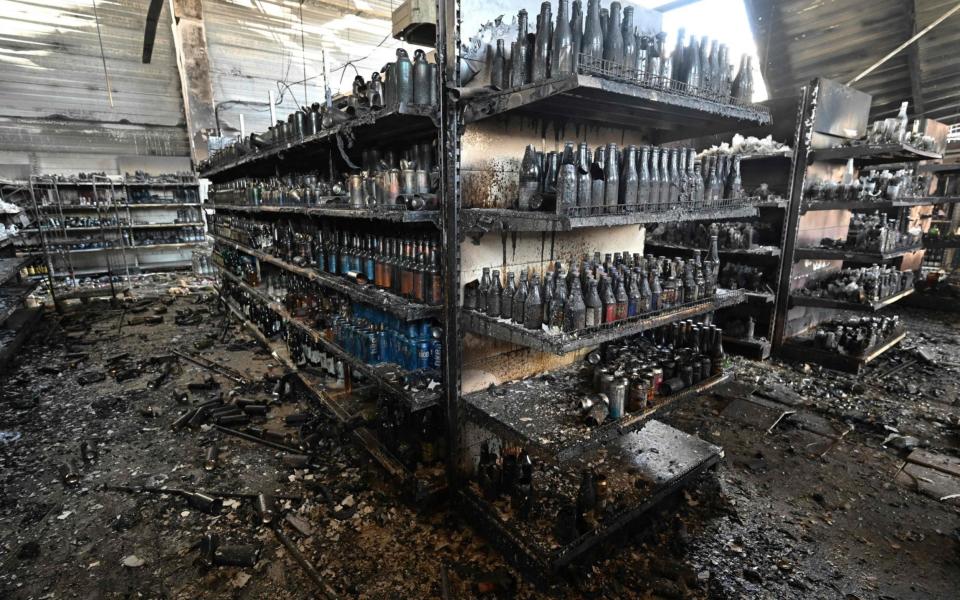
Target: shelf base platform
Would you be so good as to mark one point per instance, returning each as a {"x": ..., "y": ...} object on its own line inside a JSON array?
[
  {"x": 377, "y": 127},
  {"x": 597, "y": 98},
  {"x": 803, "y": 350},
  {"x": 759, "y": 252},
  {"x": 645, "y": 471},
  {"x": 397, "y": 215},
  {"x": 852, "y": 255},
  {"x": 535, "y": 413},
  {"x": 481, "y": 220},
  {"x": 875, "y": 154},
  {"x": 867, "y": 205},
  {"x": 851, "y": 306}
]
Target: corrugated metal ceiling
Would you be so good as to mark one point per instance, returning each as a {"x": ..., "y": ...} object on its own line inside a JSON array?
[
  {"x": 254, "y": 44},
  {"x": 799, "y": 40}
]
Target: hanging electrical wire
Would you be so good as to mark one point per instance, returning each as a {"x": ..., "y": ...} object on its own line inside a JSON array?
[{"x": 103, "y": 57}]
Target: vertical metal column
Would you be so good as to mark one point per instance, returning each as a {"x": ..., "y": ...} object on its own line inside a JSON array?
[
  {"x": 46, "y": 250},
  {"x": 805, "y": 117},
  {"x": 448, "y": 57}
]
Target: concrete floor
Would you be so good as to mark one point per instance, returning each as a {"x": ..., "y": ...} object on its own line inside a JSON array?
[{"x": 810, "y": 507}]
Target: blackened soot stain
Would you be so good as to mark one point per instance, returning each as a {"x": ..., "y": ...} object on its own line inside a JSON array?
[
  {"x": 503, "y": 241},
  {"x": 553, "y": 242},
  {"x": 513, "y": 241}
]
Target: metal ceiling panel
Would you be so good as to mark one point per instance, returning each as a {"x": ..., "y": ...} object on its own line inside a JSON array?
[
  {"x": 54, "y": 100},
  {"x": 254, "y": 44},
  {"x": 799, "y": 40}
]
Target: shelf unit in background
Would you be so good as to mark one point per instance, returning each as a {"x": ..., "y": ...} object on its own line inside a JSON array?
[
  {"x": 756, "y": 169},
  {"x": 124, "y": 226},
  {"x": 830, "y": 117}
]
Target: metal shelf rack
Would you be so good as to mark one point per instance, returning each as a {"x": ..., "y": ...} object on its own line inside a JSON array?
[{"x": 831, "y": 117}]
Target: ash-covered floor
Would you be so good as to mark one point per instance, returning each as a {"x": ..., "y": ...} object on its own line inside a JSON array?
[{"x": 808, "y": 502}]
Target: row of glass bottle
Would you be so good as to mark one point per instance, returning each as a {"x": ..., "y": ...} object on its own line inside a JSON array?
[
  {"x": 408, "y": 267},
  {"x": 621, "y": 287},
  {"x": 875, "y": 185},
  {"x": 402, "y": 83},
  {"x": 140, "y": 239},
  {"x": 879, "y": 233},
  {"x": 729, "y": 235},
  {"x": 632, "y": 373},
  {"x": 369, "y": 334},
  {"x": 613, "y": 181},
  {"x": 603, "y": 42},
  {"x": 114, "y": 197},
  {"x": 860, "y": 285},
  {"x": 396, "y": 172}
]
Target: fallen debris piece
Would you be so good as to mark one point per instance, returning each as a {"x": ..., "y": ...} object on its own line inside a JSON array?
[{"x": 133, "y": 561}]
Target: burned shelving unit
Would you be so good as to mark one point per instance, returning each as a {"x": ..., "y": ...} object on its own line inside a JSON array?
[
  {"x": 275, "y": 229},
  {"x": 94, "y": 224},
  {"x": 748, "y": 326},
  {"x": 517, "y": 381},
  {"x": 297, "y": 227},
  {"x": 844, "y": 179}
]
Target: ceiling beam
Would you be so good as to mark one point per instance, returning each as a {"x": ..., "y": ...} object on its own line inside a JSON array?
[
  {"x": 150, "y": 30},
  {"x": 913, "y": 60}
]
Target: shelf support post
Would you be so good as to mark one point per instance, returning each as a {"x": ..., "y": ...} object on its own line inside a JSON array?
[{"x": 448, "y": 58}]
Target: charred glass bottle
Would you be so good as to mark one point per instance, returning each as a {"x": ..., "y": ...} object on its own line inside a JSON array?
[
  {"x": 622, "y": 299},
  {"x": 520, "y": 53},
  {"x": 550, "y": 175},
  {"x": 734, "y": 187},
  {"x": 629, "y": 43},
  {"x": 575, "y": 311},
  {"x": 576, "y": 31},
  {"x": 645, "y": 293},
  {"x": 520, "y": 299},
  {"x": 694, "y": 73},
  {"x": 613, "y": 42},
  {"x": 506, "y": 301},
  {"x": 485, "y": 283},
  {"x": 594, "y": 305},
  {"x": 533, "y": 307},
  {"x": 629, "y": 180},
  {"x": 592, "y": 45},
  {"x": 541, "y": 55},
  {"x": 611, "y": 182},
  {"x": 558, "y": 302},
  {"x": 561, "y": 60},
  {"x": 529, "y": 178},
  {"x": 674, "y": 176},
  {"x": 655, "y": 183},
  {"x": 498, "y": 71},
  {"x": 494, "y": 295},
  {"x": 633, "y": 295},
  {"x": 655, "y": 290},
  {"x": 643, "y": 180},
  {"x": 666, "y": 185},
  {"x": 436, "y": 276},
  {"x": 678, "y": 71},
  {"x": 583, "y": 177}
]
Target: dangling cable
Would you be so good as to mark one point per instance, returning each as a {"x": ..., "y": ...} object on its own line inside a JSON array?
[
  {"x": 303, "y": 57},
  {"x": 103, "y": 56}
]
